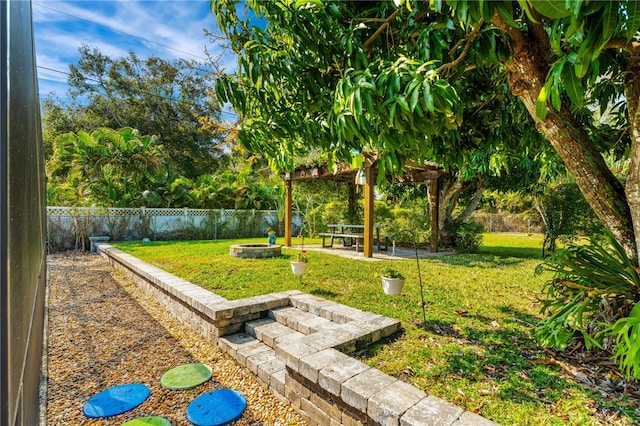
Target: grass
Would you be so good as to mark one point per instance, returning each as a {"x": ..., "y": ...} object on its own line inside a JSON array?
[{"x": 476, "y": 348}]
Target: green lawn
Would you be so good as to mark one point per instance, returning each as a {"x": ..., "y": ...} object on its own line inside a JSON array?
[{"x": 476, "y": 348}]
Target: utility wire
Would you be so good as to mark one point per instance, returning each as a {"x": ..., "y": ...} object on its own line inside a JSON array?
[
  {"x": 229, "y": 113},
  {"x": 132, "y": 36},
  {"x": 124, "y": 33}
]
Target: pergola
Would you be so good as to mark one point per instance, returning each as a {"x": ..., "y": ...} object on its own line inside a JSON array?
[{"x": 426, "y": 172}]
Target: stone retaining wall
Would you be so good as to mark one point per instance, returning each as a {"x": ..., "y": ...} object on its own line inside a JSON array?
[{"x": 298, "y": 344}]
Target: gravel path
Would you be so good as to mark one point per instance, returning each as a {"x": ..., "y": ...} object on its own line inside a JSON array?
[{"x": 103, "y": 331}]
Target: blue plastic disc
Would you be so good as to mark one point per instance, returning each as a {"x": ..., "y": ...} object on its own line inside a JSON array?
[
  {"x": 116, "y": 400},
  {"x": 216, "y": 408}
]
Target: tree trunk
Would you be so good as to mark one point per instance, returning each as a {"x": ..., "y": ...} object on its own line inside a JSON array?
[
  {"x": 632, "y": 92},
  {"x": 452, "y": 188},
  {"x": 473, "y": 204},
  {"x": 606, "y": 195}
]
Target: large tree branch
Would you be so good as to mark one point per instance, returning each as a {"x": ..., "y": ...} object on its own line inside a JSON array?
[
  {"x": 382, "y": 27},
  {"x": 515, "y": 33},
  {"x": 467, "y": 46},
  {"x": 624, "y": 44},
  {"x": 473, "y": 204}
]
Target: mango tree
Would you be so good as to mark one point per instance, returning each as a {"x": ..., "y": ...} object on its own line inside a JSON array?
[{"x": 326, "y": 76}]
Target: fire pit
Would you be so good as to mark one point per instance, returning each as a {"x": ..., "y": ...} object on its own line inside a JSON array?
[{"x": 255, "y": 251}]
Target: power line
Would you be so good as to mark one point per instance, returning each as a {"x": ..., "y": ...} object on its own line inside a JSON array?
[
  {"x": 229, "y": 113},
  {"x": 124, "y": 33}
]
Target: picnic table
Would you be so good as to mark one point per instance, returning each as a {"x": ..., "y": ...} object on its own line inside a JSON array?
[{"x": 349, "y": 234}]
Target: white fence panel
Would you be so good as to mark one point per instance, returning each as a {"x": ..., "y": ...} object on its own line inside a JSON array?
[{"x": 70, "y": 227}]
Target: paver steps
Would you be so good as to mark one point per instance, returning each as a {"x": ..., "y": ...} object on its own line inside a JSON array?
[{"x": 255, "y": 348}]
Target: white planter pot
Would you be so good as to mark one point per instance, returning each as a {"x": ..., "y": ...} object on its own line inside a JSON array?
[
  {"x": 393, "y": 286},
  {"x": 298, "y": 268}
]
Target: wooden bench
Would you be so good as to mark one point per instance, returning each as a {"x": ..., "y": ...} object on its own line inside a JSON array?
[
  {"x": 350, "y": 237},
  {"x": 346, "y": 237}
]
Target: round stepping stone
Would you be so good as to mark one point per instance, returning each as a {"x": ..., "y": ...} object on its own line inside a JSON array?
[
  {"x": 116, "y": 400},
  {"x": 216, "y": 408},
  {"x": 185, "y": 376},
  {"x": 146, "y": 421}
]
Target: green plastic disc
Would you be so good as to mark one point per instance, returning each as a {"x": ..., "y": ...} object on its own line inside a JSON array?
[
  {"x": 185, "y": 376},
  {"x": 146, "y": 421}
]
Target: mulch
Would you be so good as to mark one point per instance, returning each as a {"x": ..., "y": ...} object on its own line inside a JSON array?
[{"x": 102, "y": 331}]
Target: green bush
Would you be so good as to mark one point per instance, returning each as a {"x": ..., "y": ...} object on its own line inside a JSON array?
[
  {"x": 398, "y": 219},
  {"x": 467, "y": 236},
  {"x": 565, "y": 214},
  {"x": 332, "y": 212},
  {"x": 594, "y": 295}
]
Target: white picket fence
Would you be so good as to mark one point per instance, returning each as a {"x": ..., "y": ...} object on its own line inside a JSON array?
[{"x": 70, "y": 227}]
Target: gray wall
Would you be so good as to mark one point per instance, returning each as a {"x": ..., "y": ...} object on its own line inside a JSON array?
[{"x": 22, "y": 220}]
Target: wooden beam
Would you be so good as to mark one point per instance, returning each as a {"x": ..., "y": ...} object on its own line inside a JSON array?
[
  {"x": 368, "y": 212},
  {"x": 287, "y": 214},
  {"x": 434, "y": 204}
]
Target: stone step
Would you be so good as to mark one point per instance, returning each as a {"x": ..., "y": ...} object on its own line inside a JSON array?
[
  {"x": 259, "y": 358},
  {"x": 290, "y": 322}
]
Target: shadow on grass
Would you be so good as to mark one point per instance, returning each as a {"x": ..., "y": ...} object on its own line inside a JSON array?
[
  {"x": 504, "y": 251},
  {"x": 494, "y": 256},
  {"x": 526, "y": 373},
  {"x": 486, "y": 260},
  {"x": 323, "y": 293},
  {"x": 500, "y": 355}
]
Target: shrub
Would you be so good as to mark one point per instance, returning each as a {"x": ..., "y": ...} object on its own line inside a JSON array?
[
  {"x": 565, "y": 214},
  {"x": 467, "y": 236},
  {"x": 397, "y": 220},
  {"x": 333, "y": 212},
  {"x": 594, "y": 295}
]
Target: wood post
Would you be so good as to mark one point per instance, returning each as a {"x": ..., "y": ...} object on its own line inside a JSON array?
[
  {"x": 434, "y": 203},
  {"x": 368, "y": 212},
  {"x": 287, "y": 214}
]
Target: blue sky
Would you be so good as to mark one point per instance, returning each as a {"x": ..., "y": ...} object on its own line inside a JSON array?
[{"x": 169, "y": 29}]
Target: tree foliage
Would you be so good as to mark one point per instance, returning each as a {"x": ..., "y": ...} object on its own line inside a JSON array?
[
  {"x": 400, "y": 78},
  {"x": 318, "y": 77},
  {"x": 105, "y": 167},
  {"x": 121, "y": 168},
  {"x": 173, "y": 100}
]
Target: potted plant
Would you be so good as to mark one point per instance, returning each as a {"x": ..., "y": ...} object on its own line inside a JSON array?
[
  {"x": 392, "y": 281},
  {"x": 299, "y": 264},
  {"x": 271, "y": 235}
]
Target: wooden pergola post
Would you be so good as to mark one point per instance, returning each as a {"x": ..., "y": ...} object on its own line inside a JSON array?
[
  {"x": 368, "y": 212},
  {"x": 434, "y": 203},
  {"x": 287, "y": 213}
]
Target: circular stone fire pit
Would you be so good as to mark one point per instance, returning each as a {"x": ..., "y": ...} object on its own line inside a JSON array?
[{"x": 255, "y": 251}]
